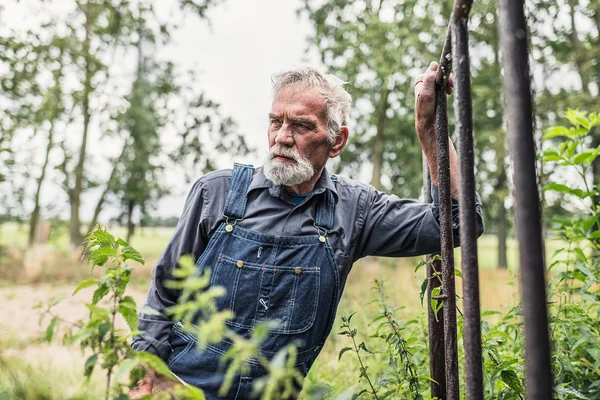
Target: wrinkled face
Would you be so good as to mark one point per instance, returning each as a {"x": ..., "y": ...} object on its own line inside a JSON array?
[{"x": 297, "y": 131}]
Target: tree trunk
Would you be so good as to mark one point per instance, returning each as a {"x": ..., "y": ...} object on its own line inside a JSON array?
[
  {"x": 130, "y": 223},
  {"x": 378, "y": 142},
  {"x": 501, "y": 189},
  {"x": 502, "y": 234},
  {"x": 579, "y": 54},
  {"x": 75, "y": 194},
  {"x": 102, "y": 198},
  {"x": 35, "y": 215}
]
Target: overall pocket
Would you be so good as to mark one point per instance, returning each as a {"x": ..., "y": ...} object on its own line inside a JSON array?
[{"x": 288, "y": 295}]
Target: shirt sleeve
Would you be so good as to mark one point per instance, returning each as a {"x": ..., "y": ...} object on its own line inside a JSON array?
[
  {"x": 190, "y": 238},
  {"x": 396, "y": 227}
]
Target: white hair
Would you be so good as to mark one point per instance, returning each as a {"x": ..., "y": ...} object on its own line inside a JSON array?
[{"x": 338, "y": 100}]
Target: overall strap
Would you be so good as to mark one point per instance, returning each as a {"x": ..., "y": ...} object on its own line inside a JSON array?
[
  {"x": 326, "y": 209},
  {"x": 235, "y": 204}
]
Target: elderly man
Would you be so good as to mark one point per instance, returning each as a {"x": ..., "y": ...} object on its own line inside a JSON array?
[{"x": 282, "y": 238}]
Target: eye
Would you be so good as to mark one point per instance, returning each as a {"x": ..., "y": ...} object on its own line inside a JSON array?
[{"x": 275, "y": 122}]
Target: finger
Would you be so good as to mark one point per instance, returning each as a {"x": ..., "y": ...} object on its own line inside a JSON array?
[
  {"x": 433, "y": 66},
  {"x": 450, "y": 87}
]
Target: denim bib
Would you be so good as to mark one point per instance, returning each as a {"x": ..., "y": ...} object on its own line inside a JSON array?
[{"x": 289, "y": 279}]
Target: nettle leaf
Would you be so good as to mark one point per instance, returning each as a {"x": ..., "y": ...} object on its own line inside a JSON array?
[
  {"x": 99, "y": 293},
  {"x": 100, "y": 256},
  {"x": 423, "y": 290},
  {"x": 556, "y": 131},
  {"x": 128, "y": 310},
  {"x": 103, "y": 329},
  {"x": 51, "y": 329},
  {"x": 569, "y": 391},
  {"x": 126, "y": 366},
  {"x": 86, "y": 283},
  {"x": 345, "y": 349},
  {"x": 129, "y": 253},
  {"x": 90, "y": 363},
  {"x": 152, "y": 362},
  {"x": 558, "y": 187},
  {"x": 512, "y": 380}
]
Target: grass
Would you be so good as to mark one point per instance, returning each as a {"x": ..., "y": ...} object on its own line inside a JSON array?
[{"x": 39, "y": 362}]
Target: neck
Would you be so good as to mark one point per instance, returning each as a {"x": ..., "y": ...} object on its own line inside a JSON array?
[{"x": 306, "y": 187}]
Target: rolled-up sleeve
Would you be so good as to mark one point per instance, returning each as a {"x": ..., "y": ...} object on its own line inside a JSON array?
[
  {"x": 396, "y": 227},
  {"x": 190, "y": 238}
]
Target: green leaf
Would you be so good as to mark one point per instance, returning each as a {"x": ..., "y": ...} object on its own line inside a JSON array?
[
  {"x": 556, "y": 131},
  {"x": 569, "y": 391},
  {"x": 100, "y": 256},
  {"x": 423, "y": 290},
  {"x": 512, "y": 380},
  {"x": 585, "y": 157},
  {"x": 558, "y": 187},
  {"x": 86, "y": 283},
  {"x": 99, "y": 293},
  {"x": 126, "y": 366},
  {"x": 89, "y": 365},
  {"x": 127, "y": 308},
  {"x": 129, "y": 253},
  {"x": 341, "y": 353},
  {"x": 51, "y": 329},
  {"x": 458, "y": 273},
  {"x": 103, "y": 329}
]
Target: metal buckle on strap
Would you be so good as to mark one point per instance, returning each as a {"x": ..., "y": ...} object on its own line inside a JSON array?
[
  {"x": 229, "y": 227},
  {"x": 322, "y": 238}
]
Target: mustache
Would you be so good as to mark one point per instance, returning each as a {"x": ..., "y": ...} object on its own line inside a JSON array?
[{"x": 279, "y": 150}]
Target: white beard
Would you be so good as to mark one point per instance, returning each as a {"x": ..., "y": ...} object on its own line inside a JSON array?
[{"x": 287, "y": 173}]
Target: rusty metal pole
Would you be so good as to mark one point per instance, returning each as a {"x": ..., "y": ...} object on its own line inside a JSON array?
[
  {"x": 468, "y": 229},
  {"x": 446, "y": 233},
  {"x": 517, "y": 95},
  {"x": 437, "y": 370}
]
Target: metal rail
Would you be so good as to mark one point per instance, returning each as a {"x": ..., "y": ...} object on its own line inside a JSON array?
[
  {"x": 435, "y": 326},
  {"x": 517, "y": 94},
  {"x": 457, "y": 43},
  {"x": 468, "y": 228}
]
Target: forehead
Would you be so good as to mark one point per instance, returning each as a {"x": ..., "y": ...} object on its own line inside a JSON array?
[{"x": 299, "y": 100}]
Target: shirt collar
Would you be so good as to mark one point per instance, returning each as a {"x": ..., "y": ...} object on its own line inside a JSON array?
[{"x": 260, "y": 181}]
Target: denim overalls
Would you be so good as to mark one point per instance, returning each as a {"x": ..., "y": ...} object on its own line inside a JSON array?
[{"x": 291, "y": 279}]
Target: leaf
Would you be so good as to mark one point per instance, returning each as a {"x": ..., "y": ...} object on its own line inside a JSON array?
[
  {"x": 458, "y": 273},
  {"x": 103, "y": 329},
  {"x": 100, "y": 256},
  {"x": 89, "y": 365},
  {"x": 147, "y": 310},
  {"x": 557, "y": 187},
  {"x": 423, "y": 290},
  {"x": 571, "y": 392},
  {"x": 126, "y": 366},
  {"x": 556, "y": 131},
  {"x": 132, "y": 254},
  {"x": 512, "y": 380},
  {"x": 85, "y": 284},
  {"x": 99, "y": 293},
  {"x": 341, "y": 353},
  {"x": 127, "y": 308},
  {"x": 51, "y": 329}
]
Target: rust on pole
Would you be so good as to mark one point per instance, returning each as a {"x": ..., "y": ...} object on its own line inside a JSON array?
[
  {"x": 468, "y": 229},
  {"x": 437, "y": 370},
  {"x": 446, "y": 233},
  {"x": 517, "y": 95}
]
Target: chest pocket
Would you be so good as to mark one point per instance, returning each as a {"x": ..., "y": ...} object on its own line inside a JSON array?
[{"x": 288, "y": 295}]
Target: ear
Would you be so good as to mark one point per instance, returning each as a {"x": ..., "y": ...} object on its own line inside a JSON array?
[{"x": 340, "y": 142}]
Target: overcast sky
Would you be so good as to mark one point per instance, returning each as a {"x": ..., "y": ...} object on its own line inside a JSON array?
[{"x": 245, "y": 44}]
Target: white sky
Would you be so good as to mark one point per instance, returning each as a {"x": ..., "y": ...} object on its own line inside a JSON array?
[{"x": 245, "y": 44}]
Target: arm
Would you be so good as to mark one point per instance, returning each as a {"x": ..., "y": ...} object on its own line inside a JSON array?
[
  {"x": 396, "y": 227},
  {"x": 190, "y": 237},
  {"x": 425, "y": 126}
]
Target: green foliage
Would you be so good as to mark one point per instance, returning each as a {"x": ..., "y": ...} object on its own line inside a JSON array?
[
  {"x": 575, "y": 328},
  {"x": 109, "y": 347}
]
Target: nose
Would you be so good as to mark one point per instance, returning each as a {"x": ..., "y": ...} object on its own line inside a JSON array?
[{"x": 285, "y": 135}]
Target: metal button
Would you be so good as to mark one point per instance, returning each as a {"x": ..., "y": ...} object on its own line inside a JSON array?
[
  {"x": 322, "y": 239},
  {"x": 229, "y": 228},
  {"x": 240, "y": 263},
  {"x": 298, "y": 270}
]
